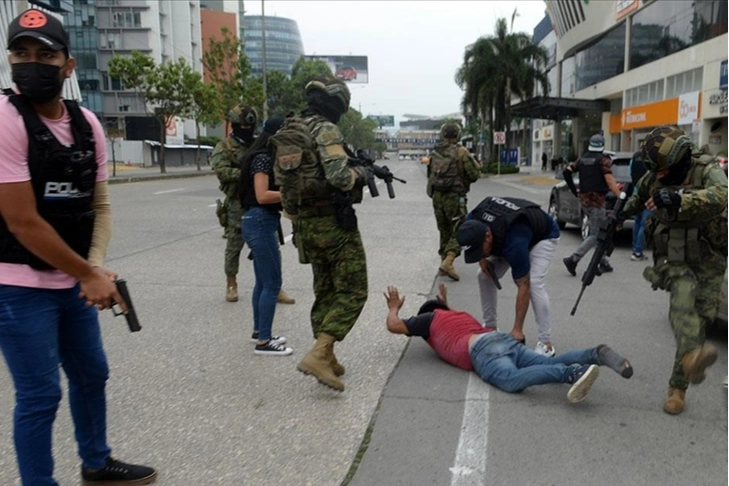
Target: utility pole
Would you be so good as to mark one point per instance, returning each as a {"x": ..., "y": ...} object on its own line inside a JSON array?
[{"x": 263, "y": 34}]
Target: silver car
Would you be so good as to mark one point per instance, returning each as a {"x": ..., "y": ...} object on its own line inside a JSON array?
[{"x": 565, "y": 208}]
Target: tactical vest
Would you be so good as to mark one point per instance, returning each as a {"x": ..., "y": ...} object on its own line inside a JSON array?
[
  {"x": 63, "y": 180},
  {"x": 677, "y": 234},
  {"x": 591, "y": 177},
  {"x": 446, "y": 169},
  {"x": 298, "y": 172},
  {"x": 235, "y": 151},
  {"x": 501, "y": 212},
  {"x": 247, "y": 193}
]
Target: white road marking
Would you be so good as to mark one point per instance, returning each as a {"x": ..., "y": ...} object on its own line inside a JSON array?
[
  {"x": 168, "y": 191},
  {"x": 470, "y": 464}
]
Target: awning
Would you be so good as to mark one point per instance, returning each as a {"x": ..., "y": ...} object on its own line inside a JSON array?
[{"x": 546, "y": 108}]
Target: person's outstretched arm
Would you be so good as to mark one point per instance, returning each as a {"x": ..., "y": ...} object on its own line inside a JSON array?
[{"x": 394, "y": 303}]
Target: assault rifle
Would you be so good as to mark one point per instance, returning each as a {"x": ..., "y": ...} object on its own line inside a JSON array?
[
  {"x": 383, "y": 172},
  {"x": 605, "y": 244},
  {"x": 131, "y": 315}
]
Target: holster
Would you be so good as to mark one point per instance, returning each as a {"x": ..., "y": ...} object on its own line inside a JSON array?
[{"x": 344, "y": 215}]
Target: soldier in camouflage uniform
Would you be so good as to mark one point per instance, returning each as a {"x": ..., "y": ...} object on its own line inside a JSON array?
[
  {"x": 325, "y": 225},
  {"x": 451, "y": 171},
  {"x": 225, "y": 161},
  {"x": 688, "y": 234}
]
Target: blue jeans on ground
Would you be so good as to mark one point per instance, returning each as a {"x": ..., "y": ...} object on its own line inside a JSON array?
[
  {"x": 40, "y": 328},
  {"x": 639, "y": 231},
  {"x": 259, "y": 226},
  {"x": 504, "y": 362}
]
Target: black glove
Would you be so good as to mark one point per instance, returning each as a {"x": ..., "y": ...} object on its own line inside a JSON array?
[{"x": 666, "y": 198}]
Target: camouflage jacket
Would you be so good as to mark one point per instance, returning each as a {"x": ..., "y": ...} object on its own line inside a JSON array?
[
  {"x": 468, "y": 169},
  {"x": 226, "y": 160},
  {"x": 703, "y": 194},
  {"x": 330, "y": 152}
]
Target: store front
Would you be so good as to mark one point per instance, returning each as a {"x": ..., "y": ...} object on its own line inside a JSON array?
[{"x": 714, "y": 110}]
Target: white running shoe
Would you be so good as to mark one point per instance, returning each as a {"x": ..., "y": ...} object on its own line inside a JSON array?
[{"x": 542, "y": 349}]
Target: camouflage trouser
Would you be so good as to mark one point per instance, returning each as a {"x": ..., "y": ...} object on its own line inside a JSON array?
[
  {"x": 450, "y": 213},
  {"x": 695, "y": 299},
  {"x": 234, "y": 242},
  {"x": 340, "y": 274}
]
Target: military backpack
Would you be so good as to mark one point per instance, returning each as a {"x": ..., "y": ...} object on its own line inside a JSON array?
[{"x": 446, "y": 170}]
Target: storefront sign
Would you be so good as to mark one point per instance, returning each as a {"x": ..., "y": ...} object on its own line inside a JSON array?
[
  {"x": 650, "y": 115},
  {"x": 688, "y": 108},
  {"x": 714, "y": 104},
  {"x": 624, "y": 7},
  {"x": 547, "y": 133}
]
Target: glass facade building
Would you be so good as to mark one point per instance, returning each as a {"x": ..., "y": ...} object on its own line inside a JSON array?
[
  {"x": 283, "y": 43},
  {"x": 80, "y": 22}
]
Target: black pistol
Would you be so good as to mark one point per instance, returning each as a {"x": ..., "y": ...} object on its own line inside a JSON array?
[{"x": 131, "y": 315}]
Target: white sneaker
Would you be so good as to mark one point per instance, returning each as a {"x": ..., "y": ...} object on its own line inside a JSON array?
[
  {"x": 542, "y": 349},
  {"x": 638, "y": 257},
  {"x": 272, "y": 349}
]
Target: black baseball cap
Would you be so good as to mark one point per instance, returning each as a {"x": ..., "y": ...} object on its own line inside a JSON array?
[
  {"x": 470, "y": 236},
  {"x": 38, "y": 25}
]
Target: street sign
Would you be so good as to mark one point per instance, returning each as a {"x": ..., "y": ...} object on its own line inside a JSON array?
[{"x": 499, "y": 138}]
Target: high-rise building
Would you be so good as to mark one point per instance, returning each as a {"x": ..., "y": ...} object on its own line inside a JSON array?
[
  {"x": 165, "y": 30},
  {"x": 283, "y": 43}
]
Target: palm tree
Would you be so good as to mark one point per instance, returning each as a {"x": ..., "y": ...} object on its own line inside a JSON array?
[{"x": 497, "y": 67}]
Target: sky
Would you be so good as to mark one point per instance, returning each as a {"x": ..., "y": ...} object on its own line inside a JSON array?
[{"x": 414, "y": 48}]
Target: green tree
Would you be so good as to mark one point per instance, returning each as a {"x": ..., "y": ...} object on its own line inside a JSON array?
[
  {"x": 204, "y": 109},
  {"x": 162, "y": 86},
  {"x": 303, "y": 71},
  {"x": 497, "y": 67},
  {"x": 277, "y": 85},
  {"x": 228, "y": 69}
]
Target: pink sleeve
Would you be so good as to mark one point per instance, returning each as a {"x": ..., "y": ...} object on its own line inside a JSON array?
[
  {"x": 102, "y": 172},
  {"x": 13, "y": 144}
]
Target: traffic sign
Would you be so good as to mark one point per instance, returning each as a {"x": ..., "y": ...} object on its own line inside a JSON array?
[{"x": 499, "y": 138}]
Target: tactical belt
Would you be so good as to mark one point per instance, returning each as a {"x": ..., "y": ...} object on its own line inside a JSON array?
[{"x": 323, "y": 208}]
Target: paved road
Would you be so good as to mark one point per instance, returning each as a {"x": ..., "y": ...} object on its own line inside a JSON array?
[{"x": 188, "y": 396}]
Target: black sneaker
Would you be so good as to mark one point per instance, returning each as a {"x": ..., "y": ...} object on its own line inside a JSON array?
[
  {"x": 581, "y": 378},
  {"x": 571, "y": 265},
  {"x": 272, "y": 349},
  {"x": 275, "y": 339},
  {"x": 605, "y": 267},
  {"x": 117, "y": 472}
]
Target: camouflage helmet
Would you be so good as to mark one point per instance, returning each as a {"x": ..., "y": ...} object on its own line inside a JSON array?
[
  {"x": 333, "y": 88},
  {"x": 664, "y": 147},
  {"x": 450, "y": 131},
  {"x": 243, "y": 114}
]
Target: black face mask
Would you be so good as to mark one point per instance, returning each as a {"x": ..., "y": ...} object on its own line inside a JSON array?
[
  {"x": 245, "y": 134},
  {"x": 39, "y": 82}
]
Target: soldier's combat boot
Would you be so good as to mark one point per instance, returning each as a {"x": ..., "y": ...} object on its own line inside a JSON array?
[
  {"x": 284, "y": 298},
  {"x": 675, "y": 402},
  {"x": 447, "y": 267},
  {"x": 337, "y": 367},
  {"x": 441, "y": 272},
  {"x": 231, "y": 290},
  {"x": 318, "y": 362},
  {"x": 695, "y": 363}
]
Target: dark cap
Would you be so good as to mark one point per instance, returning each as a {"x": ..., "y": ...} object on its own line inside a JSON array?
[
  {"x": 470, "y": 236},
  {"x": 597, "y": 143},
  {"x": 39, "y": 25}
]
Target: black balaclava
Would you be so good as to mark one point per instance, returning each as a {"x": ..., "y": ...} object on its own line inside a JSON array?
[
  {"x": 322, "y": 104},
  {"x": 677, "y": 173},
  {"x": 243, "y": 135}
]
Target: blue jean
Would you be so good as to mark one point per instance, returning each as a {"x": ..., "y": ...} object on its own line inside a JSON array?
[
  {"x": 504, "y": 362},
  {"x": 639, "y": 230},
  {"x": 40, "y": 328},
  {"x": 259, "y": 226}
]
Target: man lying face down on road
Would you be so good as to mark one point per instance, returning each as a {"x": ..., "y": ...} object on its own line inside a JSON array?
[{"x": 496, "y": 356}]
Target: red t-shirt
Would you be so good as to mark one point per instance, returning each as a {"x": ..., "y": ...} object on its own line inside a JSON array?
[{"x": 448, "y": 333}]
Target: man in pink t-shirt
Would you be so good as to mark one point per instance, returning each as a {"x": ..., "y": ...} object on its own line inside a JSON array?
[
  {"x": 55, "y": 223},
  {"x": 495, "y": 356}
]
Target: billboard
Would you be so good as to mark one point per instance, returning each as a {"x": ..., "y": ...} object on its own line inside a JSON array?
[
  {"x": 383, "y": 120},
  {"x": 350, "y": 69}
]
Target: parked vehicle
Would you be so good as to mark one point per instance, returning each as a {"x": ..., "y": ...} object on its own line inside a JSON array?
[{"x": 565, "y": 208}]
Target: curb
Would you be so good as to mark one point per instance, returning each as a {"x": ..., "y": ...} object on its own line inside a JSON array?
[{"x": 156, "y": 177}]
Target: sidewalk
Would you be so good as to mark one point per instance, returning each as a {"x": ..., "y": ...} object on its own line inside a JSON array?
[{"x": 133, "y": 173}]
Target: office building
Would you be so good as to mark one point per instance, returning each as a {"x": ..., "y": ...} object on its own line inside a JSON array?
[{"x": 283, "y": 43}]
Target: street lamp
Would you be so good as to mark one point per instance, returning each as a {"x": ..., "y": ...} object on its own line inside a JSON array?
[{"x": 263, "y": 34}]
